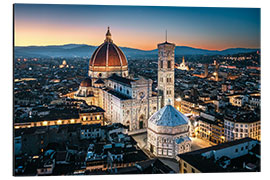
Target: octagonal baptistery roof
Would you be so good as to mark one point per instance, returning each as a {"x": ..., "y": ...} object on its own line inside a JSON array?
[
  {"x": 108, "y": 57},
  {"x": 167, "y": 120}
]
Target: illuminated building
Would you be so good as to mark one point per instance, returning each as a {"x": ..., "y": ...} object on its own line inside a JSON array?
[
  {"x": 238, "y": 100},
  {"x": 168, "y": 129},
  {"x": 166, "y": 72},
  {"x": 168, "y": 133},
  {"x": 129, "y": 101},
  {"x": 210, "y": 76},
  {"x": 64, "y": 64},
  {"x": 87, "y": 115},
  {"x": 211, "y": 130},
  {"x": 86, "y": 92},
  {"x": 241, "y": 126},
  {"x": 183, "y": 65},
  {"x": 177, "y": 103},
  {"x": 236, "y": 156},
  {"x": 108, "y": 59},
  {"x": 187, "y": 106}
]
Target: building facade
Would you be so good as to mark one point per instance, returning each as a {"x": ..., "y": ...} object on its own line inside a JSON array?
[
  {"x": 236, "y": 156},
  {"x": 168, "y": 133},
  {"x": 241, "y": 126},
  {"x": 211, "y": 130},
  {"x": 183, "y": 65},
  {"x": 86, "y": 92},
  {"x": 129, "y": 101},
  {"x": 85, "y": 116},
  {"x": 166, "y": 72},
  {"x": 238, "y": 100}
]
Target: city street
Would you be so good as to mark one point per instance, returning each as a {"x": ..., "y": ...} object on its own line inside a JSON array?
[{"x": 199, "y": 144}]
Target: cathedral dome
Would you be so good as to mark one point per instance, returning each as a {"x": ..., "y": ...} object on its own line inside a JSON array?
[
  {"x": 108, "y": 57},
  {"x": 87, "y": 82}
]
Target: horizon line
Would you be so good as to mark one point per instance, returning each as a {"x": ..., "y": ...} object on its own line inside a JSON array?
[{"x": 140, "y": 49}]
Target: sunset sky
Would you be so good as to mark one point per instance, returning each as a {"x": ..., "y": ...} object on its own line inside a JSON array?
[{"x": 137, "y": 27}]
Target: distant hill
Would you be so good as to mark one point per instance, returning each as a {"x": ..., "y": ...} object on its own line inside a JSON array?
[{"x": 83, "y": 50}]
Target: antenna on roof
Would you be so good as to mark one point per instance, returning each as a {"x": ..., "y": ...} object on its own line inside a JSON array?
[{"x": 166, "y": 36}]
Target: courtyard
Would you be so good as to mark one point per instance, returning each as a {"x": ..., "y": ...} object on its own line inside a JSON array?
[{"x": 197, "y": 143}]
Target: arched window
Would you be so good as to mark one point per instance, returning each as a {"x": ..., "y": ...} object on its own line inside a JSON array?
[
  {"x": 169, "y": 63},
  {"x": 161, "y": 64}
]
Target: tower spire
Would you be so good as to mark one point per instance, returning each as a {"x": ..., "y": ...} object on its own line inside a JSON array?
[
  {"x": 108, "y": 35},
  {"x": 166, "y": 36}
]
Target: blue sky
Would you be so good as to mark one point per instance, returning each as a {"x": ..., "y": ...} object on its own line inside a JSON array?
[{"x": 137, "y": 26}]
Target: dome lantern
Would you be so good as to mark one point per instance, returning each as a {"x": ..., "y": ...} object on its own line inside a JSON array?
[{"x": 108, "y": 35}]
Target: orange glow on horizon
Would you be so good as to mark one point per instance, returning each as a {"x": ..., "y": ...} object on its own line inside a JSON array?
[{"x": 44, "y": 34}]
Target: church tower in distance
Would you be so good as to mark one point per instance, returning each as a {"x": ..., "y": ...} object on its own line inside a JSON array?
[{"x": 166, "y": 72}]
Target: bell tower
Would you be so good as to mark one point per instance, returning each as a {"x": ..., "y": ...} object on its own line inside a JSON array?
[{"x": 166, "y": 72}]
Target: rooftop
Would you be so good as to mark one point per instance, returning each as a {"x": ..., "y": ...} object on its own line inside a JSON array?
[
  {"x": 147, "y": 167},
  {"x": 99, "y": 81},
  {"x": 203, "y": 164},
  {"x": 121, "y": 80},
  {"x": 117, "y": 94},
  {"x": 215, "y": 122},
  {"x": 166, "y": 43},
  {"x": 168, "y": 116},
  {"x": 91, "y": 109},
  {"x": 249, "y": 117}
]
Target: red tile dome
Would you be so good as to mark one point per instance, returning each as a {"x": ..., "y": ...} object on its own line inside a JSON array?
[{"x": 108, "y": 57}]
